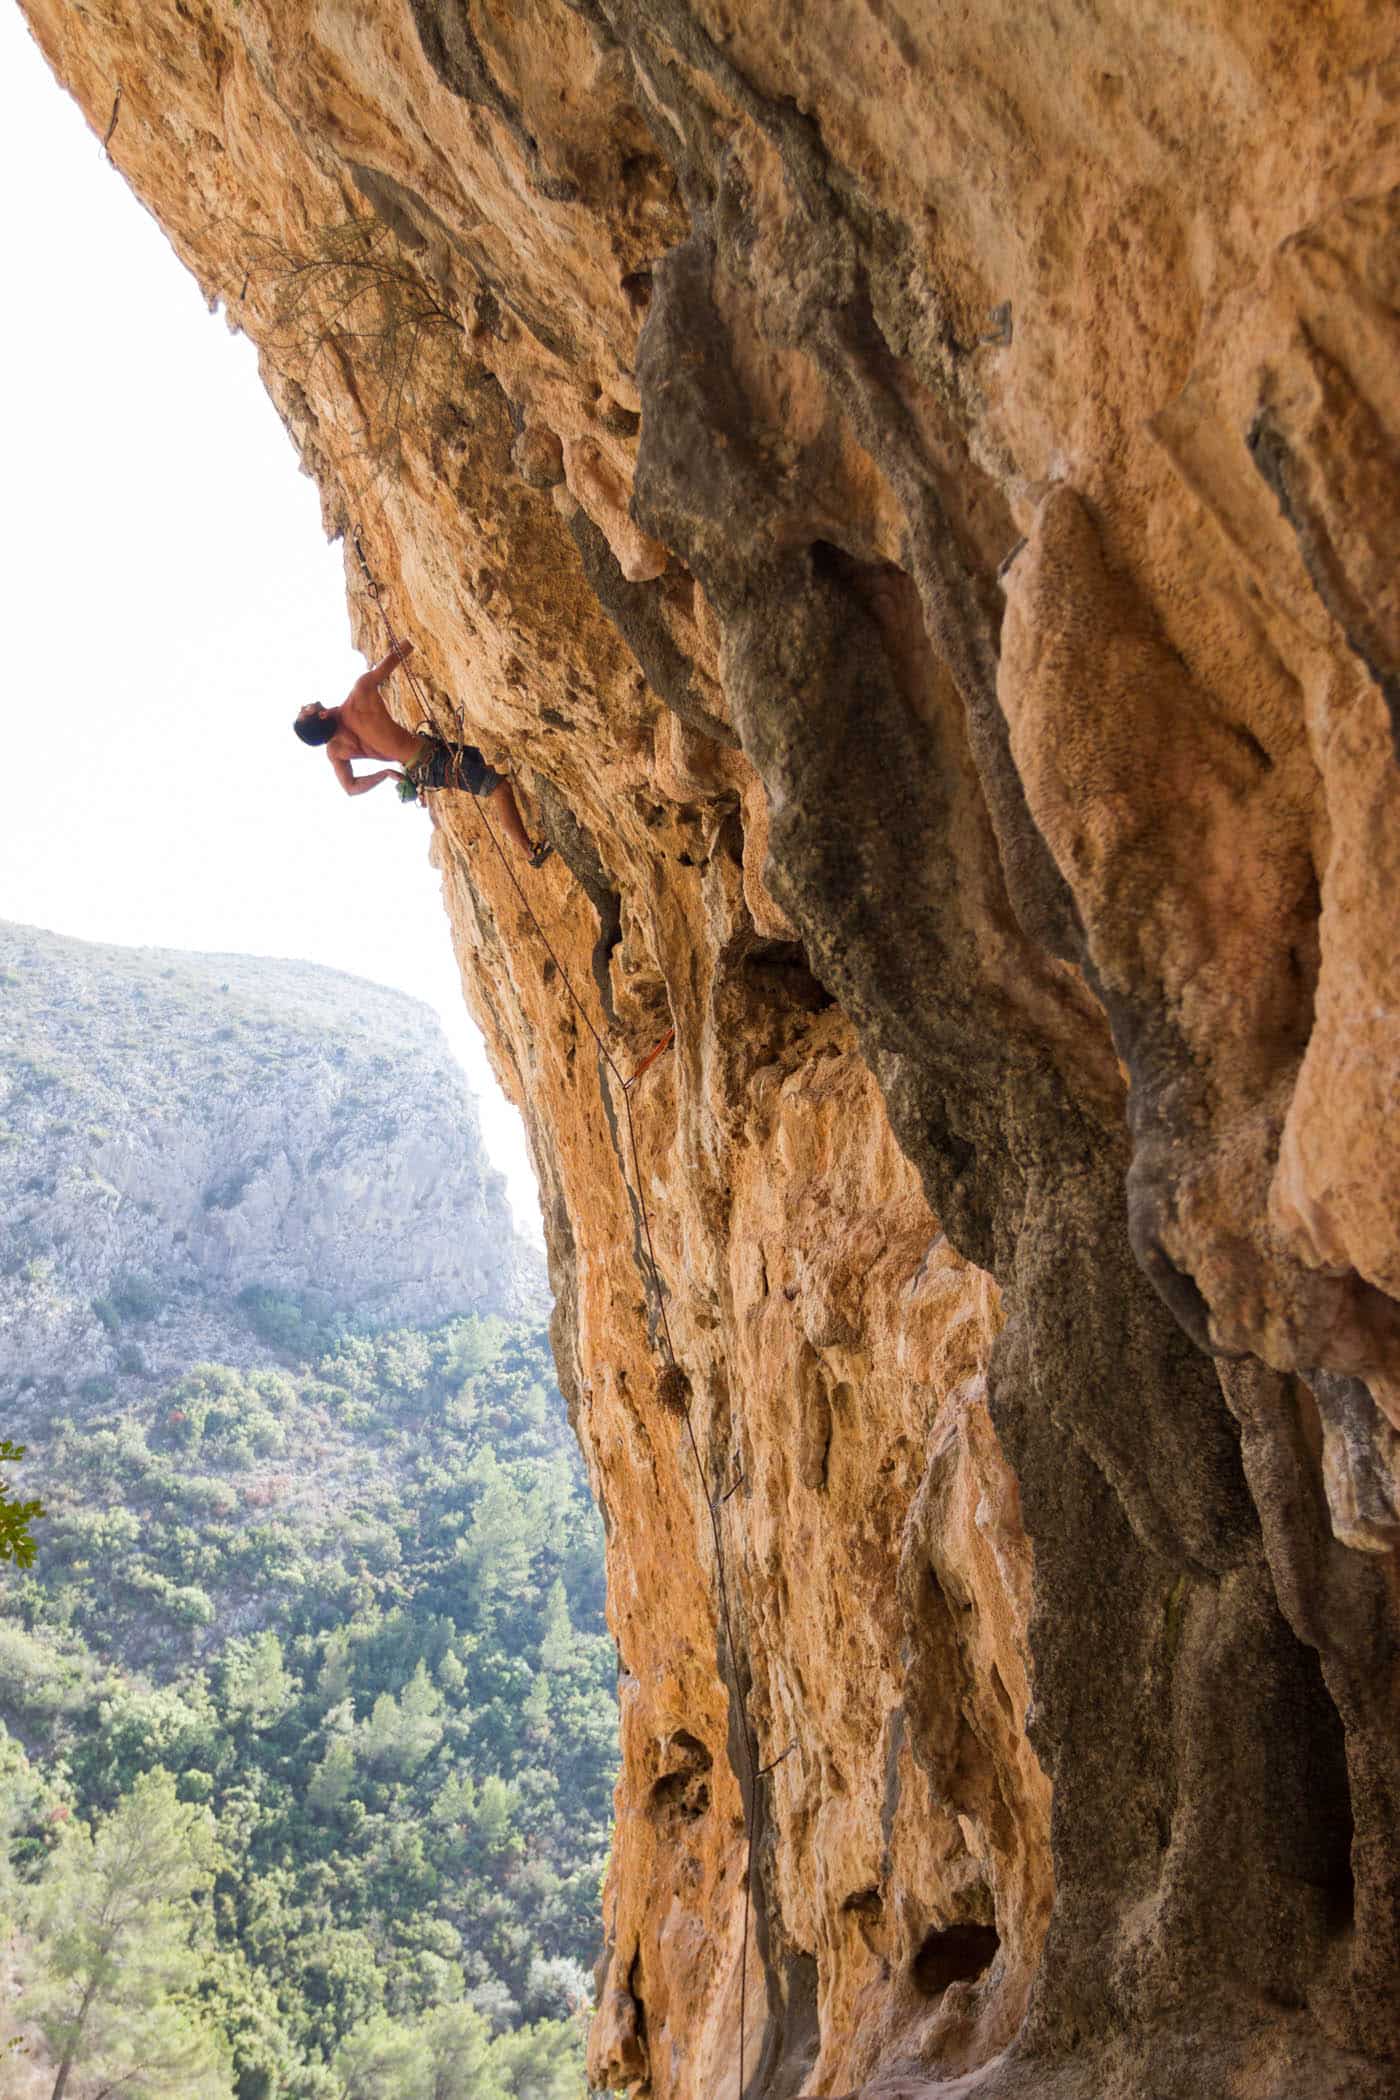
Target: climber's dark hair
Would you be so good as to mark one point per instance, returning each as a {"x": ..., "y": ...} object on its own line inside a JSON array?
[{"x": 316, "y": 729}]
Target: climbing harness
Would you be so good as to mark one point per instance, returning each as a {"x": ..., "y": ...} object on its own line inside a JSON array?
[{"x": 673, "y": 1385}]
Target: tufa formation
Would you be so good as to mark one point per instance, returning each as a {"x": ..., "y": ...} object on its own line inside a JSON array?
[{"x": 910, "y": 493}]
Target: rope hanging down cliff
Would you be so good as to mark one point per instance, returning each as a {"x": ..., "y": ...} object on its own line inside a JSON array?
[{"x": 673, "y": 1388}]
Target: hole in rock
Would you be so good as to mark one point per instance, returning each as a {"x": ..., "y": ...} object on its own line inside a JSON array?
[
  {"x": 681, "y": 1794},
  {"x": 622, "y": 422},
  {"x": 955, "y": 1954},
  {"x": 636, "y": 290},
  {"x": 684, "y": 1791},
  {"x": 1305, "y": 964},
  {"x": 689, "y": 1747},
  {"x": 882, "y": 587},
  {"x": 1340, "y": 1885},
  {"x": 634, "y": 1992},
  {"x": 1316, "y": 1840},
  {"x": 781, "y": 971},
  {"x": 830, "y": 560}
]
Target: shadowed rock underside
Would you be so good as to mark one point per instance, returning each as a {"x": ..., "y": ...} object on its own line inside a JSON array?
[{"x": 911, "y": 494}]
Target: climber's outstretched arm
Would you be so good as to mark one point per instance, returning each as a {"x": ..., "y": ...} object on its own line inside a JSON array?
[{"x": 372, "y": 680}]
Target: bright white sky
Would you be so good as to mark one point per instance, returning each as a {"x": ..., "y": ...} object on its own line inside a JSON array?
[{"x": 170, "y": 603}]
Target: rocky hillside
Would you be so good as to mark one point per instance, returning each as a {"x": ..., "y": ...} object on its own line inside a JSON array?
[
  {"x": 193, "y": 1147},
  {"x": 911, "y": 493}
]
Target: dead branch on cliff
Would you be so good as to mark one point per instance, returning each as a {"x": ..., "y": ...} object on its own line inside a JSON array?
[{"x": 353, "y": 294}]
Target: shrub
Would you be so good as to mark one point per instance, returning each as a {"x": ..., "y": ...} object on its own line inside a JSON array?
[
  {"x": 282, "y": 1322},
  {"x": 135, "y": 1297},
  {"x": 34, "y": 1679},
  {"x": 203, "y": 1493},
  {"x": 226, "y": 1194},
  {"x": 189, "y": 1604}
]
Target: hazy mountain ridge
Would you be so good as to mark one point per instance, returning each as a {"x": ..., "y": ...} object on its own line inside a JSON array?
[{"x": 177, "y": 1130}]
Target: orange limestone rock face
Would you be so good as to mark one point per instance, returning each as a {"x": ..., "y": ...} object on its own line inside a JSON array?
[{"x": 910, "y": 494}]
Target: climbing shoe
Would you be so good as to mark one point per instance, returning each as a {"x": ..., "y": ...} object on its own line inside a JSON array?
[{"x": 541, "y": 854}]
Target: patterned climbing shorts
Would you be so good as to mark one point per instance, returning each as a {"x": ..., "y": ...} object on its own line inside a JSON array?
[{"x": 441, "y": 765}]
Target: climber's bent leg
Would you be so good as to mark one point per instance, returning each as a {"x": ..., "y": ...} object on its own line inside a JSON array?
[{"x": 501, "y": 802}]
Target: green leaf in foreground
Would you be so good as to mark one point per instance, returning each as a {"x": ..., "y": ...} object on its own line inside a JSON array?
[{"x": 16, "y": 1539}]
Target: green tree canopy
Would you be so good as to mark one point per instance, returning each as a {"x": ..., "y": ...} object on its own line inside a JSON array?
[
  {"x": 257, "y": 1688},
  {"x": 114, "y": 1919},
  {"x": 397, "y": 1701}
]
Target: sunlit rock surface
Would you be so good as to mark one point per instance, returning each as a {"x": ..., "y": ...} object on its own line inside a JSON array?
[{"x": 910, "y": 493}]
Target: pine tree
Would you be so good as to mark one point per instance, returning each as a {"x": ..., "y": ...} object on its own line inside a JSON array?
[
  {"x": 452, "y": 1676},
  {"x": 401, "y": 1733},
  {"x": 113, "y": 1920},
  {"x": 454, "y": 1804},
  {"x": 21, "y": 1789},
  {"x": 336, "y": 1674},
  {"x": 385, "y": 2059},
  {"x": 496, "y": 1803},
  {"x": 534, "y": 1711},
  {"x": 420, "y": 1708},
  {"x": 460, "y": 2041},
  {"x": 330, "y": 1783},
  {"x": 557, "y": 1642},
  {"x": 496, "y": 1547},
  {"x": 257, "y": 1688}
]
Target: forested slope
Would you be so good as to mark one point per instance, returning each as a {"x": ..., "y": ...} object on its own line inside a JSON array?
[
  {"x": 308, "y": 1684},
  {"x": 355, "y": 1608}
]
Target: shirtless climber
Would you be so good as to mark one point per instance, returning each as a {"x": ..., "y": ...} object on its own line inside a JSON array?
[{"x": 362, "y": 727}]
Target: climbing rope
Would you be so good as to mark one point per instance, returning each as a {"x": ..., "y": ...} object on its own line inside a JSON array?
[{"x": 673, "y": 1387}]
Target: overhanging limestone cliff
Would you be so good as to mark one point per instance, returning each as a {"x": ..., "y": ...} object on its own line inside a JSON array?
[{"x": 911, "y": 494}]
